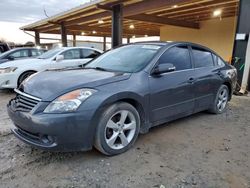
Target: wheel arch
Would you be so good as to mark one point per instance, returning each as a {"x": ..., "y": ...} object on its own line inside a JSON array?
[
  {"x": 138, "y": 106},
  {"x": 133, "y": 99},
  {"x": 23, "y": 72},
  {"x": 229, "y": 86}
]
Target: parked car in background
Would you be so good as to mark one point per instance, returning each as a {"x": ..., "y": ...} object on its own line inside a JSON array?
[
  {"x": 4, "y": 47},
  {"x": 12, "y": 73},
  {"x": 20, "y": 53},
  {"x": 119, "y": 94}
]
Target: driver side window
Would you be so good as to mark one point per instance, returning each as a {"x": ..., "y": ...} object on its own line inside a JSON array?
[{"x": 178, "y": 56}]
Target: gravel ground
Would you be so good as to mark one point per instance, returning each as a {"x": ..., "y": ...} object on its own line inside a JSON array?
[{"x": 203, "y": 151}]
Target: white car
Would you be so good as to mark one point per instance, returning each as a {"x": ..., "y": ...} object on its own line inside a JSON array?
[{"x": 12, "y": 73}]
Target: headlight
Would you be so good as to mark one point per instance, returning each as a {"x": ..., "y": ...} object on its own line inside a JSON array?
[
  {"x": 69, "y": 102},
  {"x": 7, "y": 70}
]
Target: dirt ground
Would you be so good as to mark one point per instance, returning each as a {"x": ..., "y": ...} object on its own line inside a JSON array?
[{"x": 203, "y": 151}]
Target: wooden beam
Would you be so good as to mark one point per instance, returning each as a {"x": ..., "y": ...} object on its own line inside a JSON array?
[
  {"x": 79, "y": 14},
  {"x": 54, "y": 23},
  {"x": 202, "y": 12},
  {"x": 108, "y": 30},
  {"x": 107, "y": 34},
  {"x": 224, "y": 15},
  {"x": 129, "y": 10},
  {"x": 149, "y": 5},
  {"x": 88, "y": 18},
  {"x": 103, "y": 7},
  {"x": 163, "y": 21},
  {"x": 109, "y": 6},
  {"x": 195, "y": 7},
  {"x": 44, "y": 29}
]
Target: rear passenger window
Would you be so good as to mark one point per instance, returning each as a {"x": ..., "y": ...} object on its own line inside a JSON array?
[
  {"x": 202, "y": 58},
  {"x": 218, "y": 61},
  {"x": 178, "y": 56},
  {"x": 215, "y": 57}
]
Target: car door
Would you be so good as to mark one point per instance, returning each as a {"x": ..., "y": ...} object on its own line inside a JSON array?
[
  {"x": 172, "y": 93},
  {"x": 71, "y": 58},
  {"x": 205, "y": 78}
]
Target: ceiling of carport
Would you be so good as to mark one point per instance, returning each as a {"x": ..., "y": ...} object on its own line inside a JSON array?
[{"x": 147, "y": 16}]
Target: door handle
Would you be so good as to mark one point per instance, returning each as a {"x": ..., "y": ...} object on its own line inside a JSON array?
[{"x": 191, "y": 80}]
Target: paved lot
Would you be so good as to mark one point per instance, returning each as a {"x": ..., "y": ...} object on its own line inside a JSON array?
[{"x": 203, "y": 151}]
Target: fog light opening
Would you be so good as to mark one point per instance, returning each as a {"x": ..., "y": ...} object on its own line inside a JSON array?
[{"x": 46, "y": 139}]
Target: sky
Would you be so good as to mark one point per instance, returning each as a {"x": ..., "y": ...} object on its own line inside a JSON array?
[{"x": 17, "y": 13}]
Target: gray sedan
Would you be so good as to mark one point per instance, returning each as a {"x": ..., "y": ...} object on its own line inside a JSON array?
[{"x": 118, "y": 95}]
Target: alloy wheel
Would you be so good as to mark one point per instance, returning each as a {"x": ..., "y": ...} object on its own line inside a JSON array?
[
  {"x": 120, "y": 129},
  {"x": 222, "y": 99}
]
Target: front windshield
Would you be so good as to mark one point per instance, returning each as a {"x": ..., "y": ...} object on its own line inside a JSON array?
[
  {"x": 5, "y": 53},
  {"x": 130, "y": 58},
  {"x": 49, "y": 54}
]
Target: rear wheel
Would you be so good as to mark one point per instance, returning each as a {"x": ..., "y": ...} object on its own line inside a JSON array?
[
  {"x": 24, "y": 76},
  {"x": 221, "y": 100},
  {"x": 118, "y": 129}
]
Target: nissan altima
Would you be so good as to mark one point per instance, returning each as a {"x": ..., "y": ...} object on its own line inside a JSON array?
[{"x": 118, "y": 95}]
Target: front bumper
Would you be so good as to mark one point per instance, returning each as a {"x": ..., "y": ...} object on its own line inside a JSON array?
[
  {"x": 57, "y": 132},
  {"x": 8, "y": 80}
]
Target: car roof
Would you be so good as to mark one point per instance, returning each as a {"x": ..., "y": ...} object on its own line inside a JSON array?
[
  {"x": 83, "y": 47},
  {"x": 171, "y": 43},
  {"x": 162, "y": 43},
  {"x": 24, "y": 48}
]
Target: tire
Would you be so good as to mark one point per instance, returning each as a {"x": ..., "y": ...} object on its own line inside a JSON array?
[
  {"x": 23, "y": 76},
  {"x": 118, "y": 129},
  {"x": 221, "y": 100}
]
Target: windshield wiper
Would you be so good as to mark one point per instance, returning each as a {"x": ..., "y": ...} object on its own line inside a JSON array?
[
  {"x": 101, "y": 69},
  {"x": 96, "y": 68}
]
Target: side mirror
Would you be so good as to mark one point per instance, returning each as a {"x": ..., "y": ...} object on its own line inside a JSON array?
[
  {"x": 59, "y": 58},
  {"x": 11, "y": 58},
  {"x": 164, "y": 68}
]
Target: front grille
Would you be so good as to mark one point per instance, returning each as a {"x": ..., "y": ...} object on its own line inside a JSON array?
[
  {"x": 24, "y": 103},
  {"x": 31, "y": 136},
  {"x": 36, "y": 138}
]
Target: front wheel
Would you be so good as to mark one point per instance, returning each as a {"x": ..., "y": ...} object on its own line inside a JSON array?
[
  {"x": 118, "y": 129},
  {"x": 221, "y": 100}
]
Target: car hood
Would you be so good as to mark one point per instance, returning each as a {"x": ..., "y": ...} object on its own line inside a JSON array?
[
  {"x": 16, "y": 63},
  {"x": 50, "y": 84}
]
